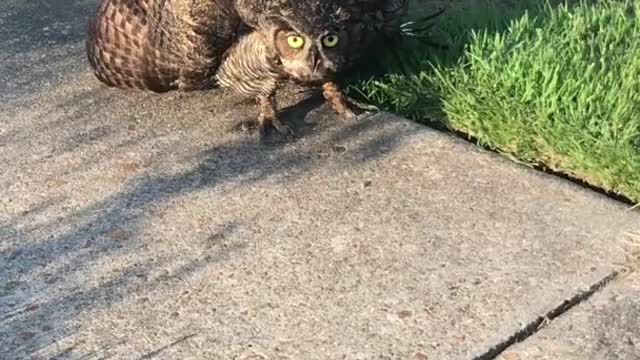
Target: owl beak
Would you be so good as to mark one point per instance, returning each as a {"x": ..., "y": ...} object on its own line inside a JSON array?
[{"x": 314, "y": 60}]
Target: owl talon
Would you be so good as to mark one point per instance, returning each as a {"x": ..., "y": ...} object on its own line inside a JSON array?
[
  {"x": 361, "y": 106},
  {"x": 262, "y": 130},
  {"x": 354, "y": 109},
  {"x": 349, "y": 115},
  {"x": 268, "y": 117},
  {"x": 344, "y": 105},
  {"x": 247, "y": 125},
  {"x": 264, "y": 122},
  {"x": 281, "y": 128}
]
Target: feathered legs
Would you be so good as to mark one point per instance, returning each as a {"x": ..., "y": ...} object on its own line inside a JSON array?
[
  {"x": 267, "y": 115},
  {"x": 341, "y": 103}
]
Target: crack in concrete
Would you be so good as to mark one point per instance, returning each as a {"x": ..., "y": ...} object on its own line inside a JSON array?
[{"x": 540, "y": 322}]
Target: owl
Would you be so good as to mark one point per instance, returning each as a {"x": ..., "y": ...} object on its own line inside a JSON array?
[{"x": 250, "y": 46}]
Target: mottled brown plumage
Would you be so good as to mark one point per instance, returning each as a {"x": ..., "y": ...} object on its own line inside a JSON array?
[{"x": 251, "y": 46}]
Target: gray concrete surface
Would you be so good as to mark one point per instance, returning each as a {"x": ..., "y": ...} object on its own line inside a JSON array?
[
  {"x": 139, "y": 226},
  {"x": 605, "y": 327}
]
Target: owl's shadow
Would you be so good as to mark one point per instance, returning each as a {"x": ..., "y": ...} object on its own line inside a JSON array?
[{"x": 295, "y": 115}]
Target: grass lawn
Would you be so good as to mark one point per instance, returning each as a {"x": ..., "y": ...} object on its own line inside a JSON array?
[{"x": 548, "y": 84}]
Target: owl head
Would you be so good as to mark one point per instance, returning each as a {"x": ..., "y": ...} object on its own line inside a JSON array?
[{"x": 313, "y": 39}]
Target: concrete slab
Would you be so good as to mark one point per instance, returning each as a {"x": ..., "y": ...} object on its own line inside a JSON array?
[
  {"x": 138, "y": 226},
  {"x": 604, "y": 327}
]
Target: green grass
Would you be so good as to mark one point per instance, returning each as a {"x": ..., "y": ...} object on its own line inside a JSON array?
[{"x": 552, "y": 85}]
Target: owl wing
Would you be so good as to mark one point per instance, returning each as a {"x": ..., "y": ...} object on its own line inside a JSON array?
[
  {"x": 118, "y": 46},
  {"x": 160, "y": 45}
]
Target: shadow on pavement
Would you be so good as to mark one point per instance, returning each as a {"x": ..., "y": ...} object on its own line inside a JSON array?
[{"x": 87, "y": 167}]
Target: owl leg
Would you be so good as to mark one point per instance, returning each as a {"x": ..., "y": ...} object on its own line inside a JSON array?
[
  {"x": 336, "y": 99},
  {"x": 341, "y": 103},
  {"x": 267, "y": 116}
]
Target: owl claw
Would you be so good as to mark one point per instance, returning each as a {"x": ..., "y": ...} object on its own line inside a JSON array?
[
  {"x": 281, "y": 128},
  {"x": 345, "y": 106},
  {"x": 268, "y": 117},
  {"x": 356, "y": 110},
  {"x": 273, "y": 122},
  {"x": 360, "y": 105},
  {"x": 247, "y": 125},
  {"x": 349, "y": 115}
]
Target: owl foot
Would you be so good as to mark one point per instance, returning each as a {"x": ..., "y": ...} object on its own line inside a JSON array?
[
  {"x": 360, "y": 105},
  {"x": 268, "y": 117},
  {"x": 251, "y": 125},
  {"x": 336, "y": 100},
  {"x": 342, "y": 104},
  {"x": 265, "y": 123}
]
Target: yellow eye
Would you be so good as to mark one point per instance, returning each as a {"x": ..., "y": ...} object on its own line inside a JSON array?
[
  {"x": 330, "y": 40},
  {"x": 295, "y": 41}
]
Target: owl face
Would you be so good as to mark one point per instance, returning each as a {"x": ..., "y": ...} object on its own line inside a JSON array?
[
  {"x": 311, "y": 57},
  {"x": 310, "y": 37}
]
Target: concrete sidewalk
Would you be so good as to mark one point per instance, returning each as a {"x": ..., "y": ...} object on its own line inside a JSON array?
[
  {"x": 139, "y": 226},
  {"x": 604, "y": 327}
]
